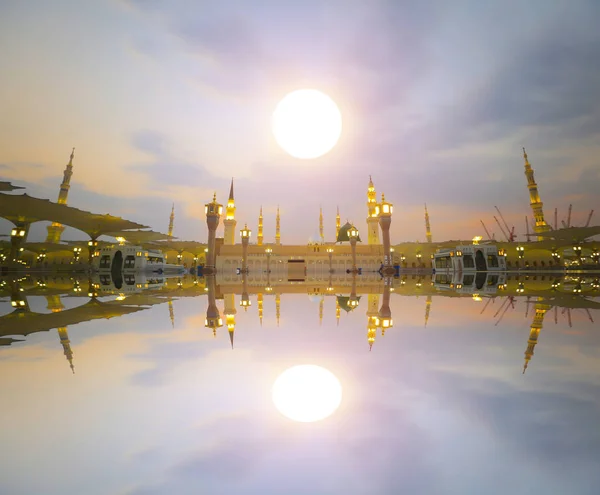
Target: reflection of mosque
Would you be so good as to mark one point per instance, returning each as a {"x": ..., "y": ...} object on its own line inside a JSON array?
[{"x": 348, "y": 291}]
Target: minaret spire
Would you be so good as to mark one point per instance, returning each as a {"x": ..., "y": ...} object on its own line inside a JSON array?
[
  {"x": 229, "y": 222},
  {"x": 56, "y": 229},
  {"x": 321, "y": 303},
  {"x": 372, "y": 216},
  {"x": 277, "y": 307},
  {"x": 259, "y": 301},
  {"x": 277, "y": 229},
  {"x": 337, "y": 223},
  {"x": 427, "y": 225},
  {"x": 337, "y": 311},
  {"x": 534, "y": 200},
  {"x": 321, "y": 234},
  {"x": 259, "y": 237},
  {"x": 171, "y": 221},
  {"x": 229, "y": 311}
]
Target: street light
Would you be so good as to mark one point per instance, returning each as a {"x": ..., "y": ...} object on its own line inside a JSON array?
[{"x": 330, "y": 253}]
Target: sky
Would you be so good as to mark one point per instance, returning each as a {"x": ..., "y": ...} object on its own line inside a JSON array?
[
  {"x": 440, "y": 409},
  {"x": 166, "y": 101}
]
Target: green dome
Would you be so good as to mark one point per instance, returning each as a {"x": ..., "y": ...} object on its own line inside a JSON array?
[
  {"x": 343, "y": 303},
  {"x": 343, "y": 233}
]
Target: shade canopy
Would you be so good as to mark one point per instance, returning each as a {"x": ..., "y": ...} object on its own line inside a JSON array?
[
  {"x": 7, "y": 186},
  {"x": 570, "y": 234},
  {"x": 25, "y": 208},
  {"x": 139, "y": 236}
]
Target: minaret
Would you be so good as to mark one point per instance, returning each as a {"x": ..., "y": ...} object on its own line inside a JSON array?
[
  {"x": 259, "y": 237},
  {"x": 534, "y": 200},
  {"x": 427, "y": 309},
  {"x": 427, "y": 225},
  {"x": 259, "y": 303},
  {"x": 372, "y": 216},
  {"x": 213, "y": 316},
  {"x": 277, "y": 307},
  {"x": 213, "y": 212},
  {"x": 277, "y": 231},
  {"x": 230, "y": 312},
  {"x": 171, "y": 314},
  {"x": 321, "y": 234},
  {"x": 337, "y": 223},
  {"x": 229, "y": 223},
  {"x": 171, "y": 221},
  {"x": 534, "y": 332},
  {"x": 372, "y": 317},
  {"x": 56, "y": 229},
  {"x": 371, "y": 331},
  {"x": 338, "y": 311}
]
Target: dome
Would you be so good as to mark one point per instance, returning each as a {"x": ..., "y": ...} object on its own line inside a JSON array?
[
  {"x": 343, "y": 302},
  {"x": 343, "y": 233},
  {"x": 314, "y": 298}
]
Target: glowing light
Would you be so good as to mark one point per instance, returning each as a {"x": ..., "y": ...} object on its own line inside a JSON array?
[
  {"x": 307, "y": 393},
  {"x": 307, "y": 123}
]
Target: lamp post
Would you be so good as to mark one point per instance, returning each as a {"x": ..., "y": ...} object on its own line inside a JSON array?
[
  {"x": 269, "y": 251},
  {"x": 384, "y": 211},
  {"x": 245, "y": 301},
  {"x": 330, "y": 254},
  {"x": 213, "y": 212},
  {"x": 353, "y": 236},
  {"x": 385, "y": 313},
  {"x": 245, "y": 233},
  {"x": 353, "y": 301}
]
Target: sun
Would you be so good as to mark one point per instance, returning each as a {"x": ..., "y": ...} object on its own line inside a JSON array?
[
  {"x": 307, "y": 393},
  {"x": 307, "y": 123}
]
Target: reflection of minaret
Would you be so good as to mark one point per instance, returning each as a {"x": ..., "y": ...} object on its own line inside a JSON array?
[
  {"x": 277, "y": 307},
  {"x": 230, "y": 312},
  {"x": 338, "y": 311},
  {"x": 56, "y": 306},
  {"x": 259, "y": 303},
  {"x": 229, "y": 222},
  {"x": 213, "y": 317},
  {"x": 277, "y": 231},
  {"x": 259, "y": 237},
  {"x": 427, "y": 225},
  {"x": 321, "y": 234},
  {"x": 385, "y": 313},
  {"x": 372, "y": 331},
  {"x": 535, "y": 201},
  {"x": 427, "y": 309},
  {"x": 321, "y": 303},
  {"x": 66, "y": 343},
  {"x": 534, "y": 332},
  {"x": 171, "y": 314},
  {"x": 337, "y": 223},
  {"x": 56, "y": 229},
  {"x": 372, "y": 317},
  {"x": 372, "y": 220},
  {"x": 171, "y": 221}
]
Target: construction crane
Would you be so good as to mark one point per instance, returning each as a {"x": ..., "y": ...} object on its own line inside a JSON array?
[
  {"x": 567, "y": 224},
  {"x": 587, "y": 224},
  {"x": 511, "y": 232},
  {"x": 486, "y": 230}
]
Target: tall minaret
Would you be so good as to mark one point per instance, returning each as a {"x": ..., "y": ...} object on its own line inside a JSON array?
[
  {"x": 259, "y": 237},
  {"x": 371, "y": 331},
  {"x": 535, "y": 201},
  {"x": 277, "y": 231},
  {"x": 337, "y": 223},
  {"x": 534, "y": 332},
  {"x": 56, "y": 229},
  {"x": 171, "y": 221},
  {"x": 321, "y": 234},
  {"x": 427, "y": 309},
  {"x": 372, "y": 317},
  {"x": 372, "y": 217},
  {"x": 427, "y": 225},
  {"x": 338, "y": 311},
  {"x": 277, "y": 307},
  {"x": 229, "y": 223},
  {"x": 230, "y": 312}
]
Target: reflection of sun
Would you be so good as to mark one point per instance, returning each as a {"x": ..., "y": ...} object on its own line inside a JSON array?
[
  {"x": 307, "y": 393},
  {"x": 307, "y": 123}
]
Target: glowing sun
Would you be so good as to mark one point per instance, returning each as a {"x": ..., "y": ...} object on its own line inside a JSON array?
[
  {"x": 307, "y": 123},
  {"x": 307, "y": 393}
]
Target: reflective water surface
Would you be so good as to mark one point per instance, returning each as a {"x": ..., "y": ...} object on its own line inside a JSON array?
[{"x": 165, "y": 385}]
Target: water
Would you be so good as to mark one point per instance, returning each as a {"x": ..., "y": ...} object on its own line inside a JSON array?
[{"x": 438, "y": 405}]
